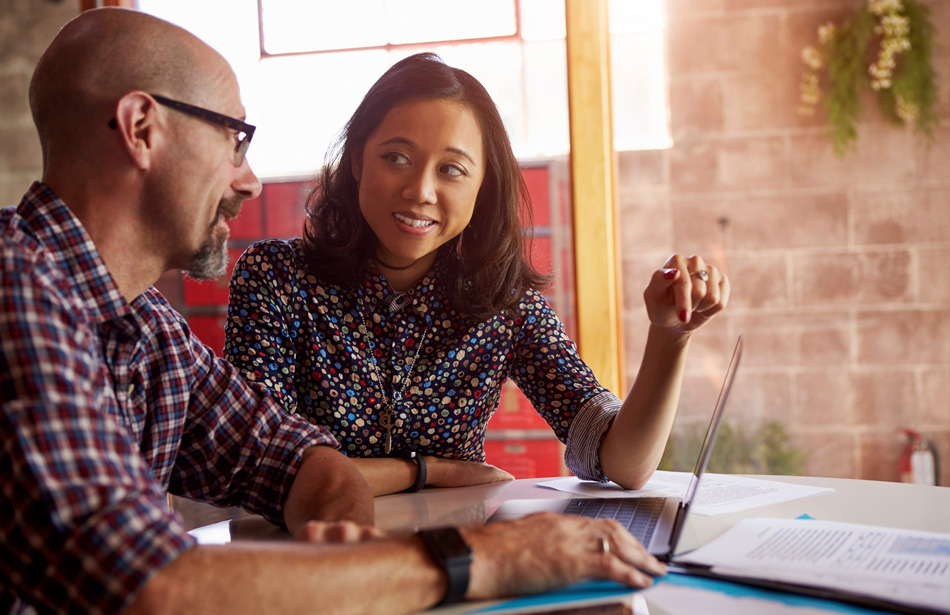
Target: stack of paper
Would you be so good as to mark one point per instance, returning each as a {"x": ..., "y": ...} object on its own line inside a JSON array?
[{"x": 855, "y": 562}]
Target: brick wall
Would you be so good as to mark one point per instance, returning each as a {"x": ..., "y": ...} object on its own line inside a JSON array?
[
  {"x": 26, "y": 28},
  {"x": 840, "y": 268}
]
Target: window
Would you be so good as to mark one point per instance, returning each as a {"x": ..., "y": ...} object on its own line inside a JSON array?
[
  {"x": 311, "y": 67},
  {"x": 292, "y": 26}
]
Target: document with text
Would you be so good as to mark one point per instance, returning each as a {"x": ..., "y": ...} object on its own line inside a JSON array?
[{"x": 902, "y": 567}]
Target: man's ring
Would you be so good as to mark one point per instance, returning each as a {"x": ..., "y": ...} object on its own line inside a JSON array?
[
  {"x": 701, "y": 274},
  {"x": 604, "y": 545}
]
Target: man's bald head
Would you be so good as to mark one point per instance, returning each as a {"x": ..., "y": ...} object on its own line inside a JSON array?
[{"x": 100, "y": 56}]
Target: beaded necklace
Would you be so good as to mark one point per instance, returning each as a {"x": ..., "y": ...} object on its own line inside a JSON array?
[{"x": 389, "y": 410}]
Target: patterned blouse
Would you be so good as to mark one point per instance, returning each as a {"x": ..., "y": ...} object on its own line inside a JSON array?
[{"x": 339, "y": 355}]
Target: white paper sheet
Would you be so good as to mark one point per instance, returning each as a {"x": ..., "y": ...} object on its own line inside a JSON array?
[
  {"x": 899, "y": 565},
  {"x": 718, "y": 493}
]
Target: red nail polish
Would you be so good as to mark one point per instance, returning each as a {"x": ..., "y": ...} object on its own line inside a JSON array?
[
  {"x": 669, "y": 274},
  {"x": 684, "y": 316}
]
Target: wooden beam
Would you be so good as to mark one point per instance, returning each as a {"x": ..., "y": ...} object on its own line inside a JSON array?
[{"x": 599, "y": 297}]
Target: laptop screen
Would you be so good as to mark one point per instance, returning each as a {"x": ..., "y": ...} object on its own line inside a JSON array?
[{"x": 704, "y": 453}]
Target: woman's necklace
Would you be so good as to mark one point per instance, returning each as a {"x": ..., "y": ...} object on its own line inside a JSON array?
[
  {"x": 388, "y": 411},
  {"x": 386, "y": 265}
]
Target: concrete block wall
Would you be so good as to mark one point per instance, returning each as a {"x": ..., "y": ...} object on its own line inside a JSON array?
[
  {"x": 26, "y": 28},
  {"x": 840, "y": 268}
]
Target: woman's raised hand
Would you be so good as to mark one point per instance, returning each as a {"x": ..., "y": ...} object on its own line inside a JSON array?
[{"x": 685, "y": 294}]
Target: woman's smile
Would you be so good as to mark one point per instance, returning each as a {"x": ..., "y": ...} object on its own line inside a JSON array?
[{"x": 416, "y": 224}]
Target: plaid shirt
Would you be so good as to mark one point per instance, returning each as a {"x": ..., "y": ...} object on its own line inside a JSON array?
[{"x": 107, "y": 405}]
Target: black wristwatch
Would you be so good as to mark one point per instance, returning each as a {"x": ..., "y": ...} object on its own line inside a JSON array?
[
  {"x": 405, "y": 453},
  {"x": 449, "y": 549}
]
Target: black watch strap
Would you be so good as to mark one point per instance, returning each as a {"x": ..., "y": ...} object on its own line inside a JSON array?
[
  {"x": 416, "y": 456},
  {"x": 448, "y": 548}
]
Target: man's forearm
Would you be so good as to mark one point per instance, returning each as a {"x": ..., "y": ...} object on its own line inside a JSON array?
[
  {"x": 397, "y": 574},
  {"x": 381, "y": 576}
]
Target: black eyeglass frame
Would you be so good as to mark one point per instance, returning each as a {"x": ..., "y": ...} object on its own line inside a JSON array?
[{"x": 243, "y": 128}]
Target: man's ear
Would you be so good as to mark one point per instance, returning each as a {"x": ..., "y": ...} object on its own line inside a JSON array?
[{"x": 136, "y": 121}]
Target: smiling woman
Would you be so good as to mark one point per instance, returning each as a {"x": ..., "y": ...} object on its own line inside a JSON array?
[
  {"x": 409, "y": 302},
  {"x": 427, "y": 143},
  {"x": 413, "y": 240}
]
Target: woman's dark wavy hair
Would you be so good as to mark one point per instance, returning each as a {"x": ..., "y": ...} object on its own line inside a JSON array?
[{"x": 486, "y": 270}]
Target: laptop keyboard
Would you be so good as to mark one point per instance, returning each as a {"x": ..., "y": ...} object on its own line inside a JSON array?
[{"x": 638, "y": 515}]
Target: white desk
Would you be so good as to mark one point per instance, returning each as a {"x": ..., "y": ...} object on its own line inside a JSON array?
[
  {"x": 898, "y": 505},
  {"x": 875, "y": 503}
]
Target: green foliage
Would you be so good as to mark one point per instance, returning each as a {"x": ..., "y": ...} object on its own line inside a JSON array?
[
  {"x": 906, "y": 87},
  {"x": 846, "y": 75},
  {"x": 764, "y": 451},
  {"x": 916, "y": 80}
]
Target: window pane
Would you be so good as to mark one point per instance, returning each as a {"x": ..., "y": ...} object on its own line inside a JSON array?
[
  {"x": 230, "y": 26},
  {"x": 545, "y": 86},
  {"x": 542, "y": 20},
  {"x": 639, "y": 15},
  {"x": 416, "y": 21},
  {"x": 498, "y": 66},
  {"x": 639, "y": 91},
  {"x": 303, "y": 102},
  {"x": 291, "y": 26}
]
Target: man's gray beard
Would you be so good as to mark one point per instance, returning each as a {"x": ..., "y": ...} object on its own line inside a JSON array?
[{"x": 211, "y": 260}]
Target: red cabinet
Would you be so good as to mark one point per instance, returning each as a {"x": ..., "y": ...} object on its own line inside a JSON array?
[{"x": 524, "y": 458}]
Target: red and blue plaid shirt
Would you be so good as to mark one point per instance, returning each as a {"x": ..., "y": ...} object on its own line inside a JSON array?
[{"x": 104, "y": 406}]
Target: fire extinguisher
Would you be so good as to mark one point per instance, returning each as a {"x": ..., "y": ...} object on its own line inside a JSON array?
[{"x": 918, "y": 461}]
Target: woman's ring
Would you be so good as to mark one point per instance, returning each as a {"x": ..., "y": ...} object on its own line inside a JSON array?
[
  {"x": 604, "y": 545},
  {"x": 701, "y": 274}
]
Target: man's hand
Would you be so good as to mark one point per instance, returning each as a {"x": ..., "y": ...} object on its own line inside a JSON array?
[
  {"x": 336, "y": 532},
  {"x": 328, "y": 487},
  {"x": 545, "y": 551}
]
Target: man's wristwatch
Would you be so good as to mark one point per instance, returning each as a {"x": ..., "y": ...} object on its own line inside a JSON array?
[
  {"x": 449, "y": 549},
  {"x": 420, "y": 464}
]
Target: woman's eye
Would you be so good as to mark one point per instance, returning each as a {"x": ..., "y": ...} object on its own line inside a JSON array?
[
  {"x": 451, "y": 169},
  {"x": 395, "y": 158}
]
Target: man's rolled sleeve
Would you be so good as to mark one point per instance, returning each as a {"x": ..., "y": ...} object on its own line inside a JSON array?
[{"x": 240, "y": 448}]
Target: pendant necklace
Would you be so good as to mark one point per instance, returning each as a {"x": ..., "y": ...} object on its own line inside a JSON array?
[{"x": 388, "y": 410}]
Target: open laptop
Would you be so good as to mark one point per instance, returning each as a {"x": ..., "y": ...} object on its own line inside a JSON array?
[{"x": 656, "y": 522}]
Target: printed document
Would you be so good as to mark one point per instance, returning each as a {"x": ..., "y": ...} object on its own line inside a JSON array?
[{"x": 900, "y": 566}]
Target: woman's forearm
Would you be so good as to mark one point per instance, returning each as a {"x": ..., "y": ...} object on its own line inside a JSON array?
[{"x": 635, "y": 441}]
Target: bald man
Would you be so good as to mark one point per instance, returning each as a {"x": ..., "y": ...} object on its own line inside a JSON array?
[{"x": 109, "y": 402}]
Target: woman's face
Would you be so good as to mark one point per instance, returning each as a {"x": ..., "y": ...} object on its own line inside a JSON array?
[{"x": 419, "y": 174}]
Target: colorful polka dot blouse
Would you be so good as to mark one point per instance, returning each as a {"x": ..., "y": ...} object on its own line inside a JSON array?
[{"x": 339, "y": 355}]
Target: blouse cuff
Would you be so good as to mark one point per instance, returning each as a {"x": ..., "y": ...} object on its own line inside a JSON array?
[{"x": 587, "y": 432}]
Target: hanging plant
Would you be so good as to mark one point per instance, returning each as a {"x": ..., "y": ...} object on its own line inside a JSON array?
[{"x": 900, "y": 72}]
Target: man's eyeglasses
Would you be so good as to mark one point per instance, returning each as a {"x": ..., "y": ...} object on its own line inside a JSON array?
[{"x": 245, "y": 131}]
